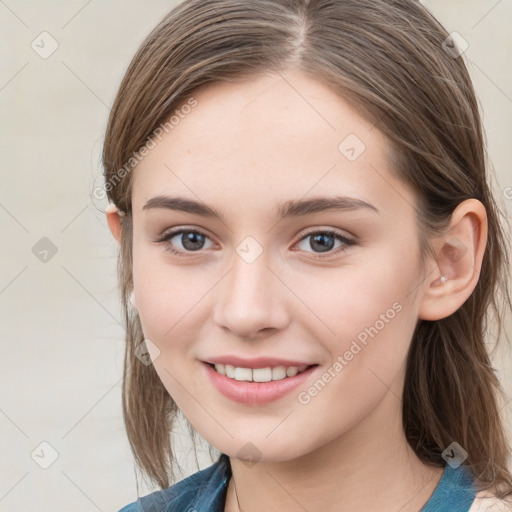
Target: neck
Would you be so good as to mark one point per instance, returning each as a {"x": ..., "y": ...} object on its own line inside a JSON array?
[{"x": 370, "y": 467}]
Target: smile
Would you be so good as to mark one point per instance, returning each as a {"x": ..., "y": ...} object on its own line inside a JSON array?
[
  {"x": 243, "y": 385},
  {"x": 258, "y": 374}
]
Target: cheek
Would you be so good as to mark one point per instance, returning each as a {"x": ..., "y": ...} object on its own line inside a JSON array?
[
  {"x": 167, "y": 294},
  {"x": 373, "y": 329},
  {"x": 168, "y": 298},
  {"x": 358, "y": 296},
  {"x": 367, "y": 317}
]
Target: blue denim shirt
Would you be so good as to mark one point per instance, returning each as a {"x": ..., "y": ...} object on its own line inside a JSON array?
[{"x": 205, "y": 491}]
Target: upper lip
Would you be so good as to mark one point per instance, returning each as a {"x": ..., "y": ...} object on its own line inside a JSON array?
[{"x": 258, "y": 362}]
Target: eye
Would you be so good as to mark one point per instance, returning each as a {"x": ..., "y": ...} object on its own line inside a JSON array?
[
  {"x": 324, "y": 241},
  {"x": 191, "y": 240}
]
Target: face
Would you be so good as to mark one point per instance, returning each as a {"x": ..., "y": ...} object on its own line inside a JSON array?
[{"x": 335, "y": 290}]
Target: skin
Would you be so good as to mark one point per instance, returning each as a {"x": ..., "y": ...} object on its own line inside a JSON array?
[{"x": 244, "y": 149}]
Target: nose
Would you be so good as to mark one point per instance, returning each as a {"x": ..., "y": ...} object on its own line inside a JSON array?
[{"x": 252, "y": 299}]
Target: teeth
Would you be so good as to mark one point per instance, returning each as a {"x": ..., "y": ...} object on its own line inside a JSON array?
[
  {"x": 262, "y": 374},
  {"x": 258, "y": 374},
  {"x": 292, "y": 371},
  {"x": 243, "y": 374},
  {"x": 278, "y": 373}
]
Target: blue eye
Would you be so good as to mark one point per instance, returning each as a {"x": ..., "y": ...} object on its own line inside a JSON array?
[{"x": 193, "y": 241}]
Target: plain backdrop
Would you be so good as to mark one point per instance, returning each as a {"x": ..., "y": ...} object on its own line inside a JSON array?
[{"x": 61, "y": 337}]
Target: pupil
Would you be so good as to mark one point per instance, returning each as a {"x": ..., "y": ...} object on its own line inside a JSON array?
[
  {"x": 321, "y": 241},
  {"x": 189, "y": 241}
]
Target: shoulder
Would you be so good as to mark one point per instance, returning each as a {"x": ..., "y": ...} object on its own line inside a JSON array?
[
  {"x": 203, "y": 490},
  {"x": 487, "y": 502}
]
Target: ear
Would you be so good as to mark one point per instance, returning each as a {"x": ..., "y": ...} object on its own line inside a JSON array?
[
  {"x": 114, "y": 221},
  {"x": 459, "y": 254}
]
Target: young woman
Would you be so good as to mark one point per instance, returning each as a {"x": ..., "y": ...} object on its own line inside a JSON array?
[{"x": 309, "y": 256}]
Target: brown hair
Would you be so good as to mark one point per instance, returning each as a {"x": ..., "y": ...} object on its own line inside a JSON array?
[{"x": 387, "y": 58}]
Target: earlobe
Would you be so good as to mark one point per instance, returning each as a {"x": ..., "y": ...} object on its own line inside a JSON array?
[
  {"x": 459, "y": 256},
  {"x": 114, "y": 221}
]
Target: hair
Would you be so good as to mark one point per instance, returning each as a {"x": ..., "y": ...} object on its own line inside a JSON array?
[{"x": 387, "y": 59}]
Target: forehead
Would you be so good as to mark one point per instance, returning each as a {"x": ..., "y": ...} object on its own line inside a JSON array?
[{"x": 279, "y": 136}]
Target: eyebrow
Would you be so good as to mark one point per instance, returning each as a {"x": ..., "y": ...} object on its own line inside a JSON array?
[{"x": 291, "y": 208}]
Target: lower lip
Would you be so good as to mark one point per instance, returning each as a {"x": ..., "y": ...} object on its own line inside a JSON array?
[{"x": 256, "y": 393}]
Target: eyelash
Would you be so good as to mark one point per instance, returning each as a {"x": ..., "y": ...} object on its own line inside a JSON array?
[{"x": 183, "y": 254}]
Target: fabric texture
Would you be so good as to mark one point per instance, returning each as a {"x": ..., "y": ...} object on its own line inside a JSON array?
[{"x": 205, "y": 491}]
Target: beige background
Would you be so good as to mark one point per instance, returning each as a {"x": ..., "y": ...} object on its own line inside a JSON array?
[{"x": 61, "y": 338}]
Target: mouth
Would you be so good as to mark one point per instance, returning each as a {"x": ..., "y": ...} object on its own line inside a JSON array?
[
  {"x": 257, "y": 386},
  {"x": 267, "y": 374}
]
